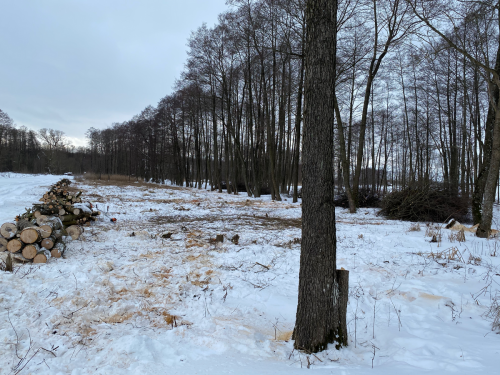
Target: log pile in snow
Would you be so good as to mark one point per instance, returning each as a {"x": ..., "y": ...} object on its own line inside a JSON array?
[{"x": 43, "y": 230}]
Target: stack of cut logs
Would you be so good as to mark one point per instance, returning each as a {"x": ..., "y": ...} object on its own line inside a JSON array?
[{"x": 41, "y": 232}]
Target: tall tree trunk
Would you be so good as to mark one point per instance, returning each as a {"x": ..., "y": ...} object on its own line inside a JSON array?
[
  {"x": 320, "y": 316},
  {"x": 217, "y": 181},
  {"x": 480, "y": 183}
]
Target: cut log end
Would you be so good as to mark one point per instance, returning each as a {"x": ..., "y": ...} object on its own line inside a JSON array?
[
  {"x": 31, "y": 235},
  {"x": 30, "y": 251},
  {"x": 48, "y": 243},
  {"x": 56, "y": 253},
  {"x": 74, "y": 231},
  {"x": 42, "y": 257},
  {"x": 14, "y": 245},
  {"x": 46, "y": 231},
  {"x": 8, "y": 230}
]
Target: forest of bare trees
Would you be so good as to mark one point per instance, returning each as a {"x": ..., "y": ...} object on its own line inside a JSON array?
[
  {"x": 45, "y": 151},
  {"x": 415, "y": 104}
]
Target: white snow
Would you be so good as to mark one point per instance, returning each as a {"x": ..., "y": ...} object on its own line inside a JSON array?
[{"x": 142, "y": 304}]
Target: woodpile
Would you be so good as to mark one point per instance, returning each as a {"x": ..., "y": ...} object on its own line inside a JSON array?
[{"x": 43, "y": 230}]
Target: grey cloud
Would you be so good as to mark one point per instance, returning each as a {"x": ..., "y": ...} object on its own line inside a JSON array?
[{"x": 71, "y": 64}]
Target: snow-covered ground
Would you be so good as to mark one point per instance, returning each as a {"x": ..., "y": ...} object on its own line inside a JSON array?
[{"x": 127, "y": 301}]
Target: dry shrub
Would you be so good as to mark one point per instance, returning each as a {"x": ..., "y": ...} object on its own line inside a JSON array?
[
  {"x": 414, "y": 228},
  {"x": 457, "y": 236},
  {"x": 493, "y": 313},
  {"x": 449, "y": 254},
  {"x": 425, "y": 204},
  {"x": 434, "y": 232},
  {"x": 474, "y": 260}
]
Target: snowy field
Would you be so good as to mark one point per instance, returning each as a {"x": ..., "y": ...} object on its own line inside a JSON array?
[{"x": 127, "y": 301}]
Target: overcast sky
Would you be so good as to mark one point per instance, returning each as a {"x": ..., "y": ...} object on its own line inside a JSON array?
[{"x": 75, "y": 64}]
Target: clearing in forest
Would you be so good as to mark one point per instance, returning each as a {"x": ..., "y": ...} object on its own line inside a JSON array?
[{"x": 156, "y": 291}]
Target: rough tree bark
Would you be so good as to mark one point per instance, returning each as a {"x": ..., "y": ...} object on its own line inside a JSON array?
[{"x": 320, "y": 316}]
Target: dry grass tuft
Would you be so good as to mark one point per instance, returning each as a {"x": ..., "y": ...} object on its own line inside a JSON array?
[
  {"x": 449, "y": 254},
  {"x": 117, "y": 318},
  {"x": 434, "y": 232},
  {"x": 414, "y": 228},
  {"x": 493, "y": 313},
  {"x": 284, "y": 336},
  {"x": 120, "y": 180},
  {"x": 475, "y": 260},
  {"x": 457, "y": 236}
]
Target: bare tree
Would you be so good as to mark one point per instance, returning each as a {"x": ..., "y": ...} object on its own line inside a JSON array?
[
  {"x": 53, "y": 141},
  {"x": 426, "y": 13}
]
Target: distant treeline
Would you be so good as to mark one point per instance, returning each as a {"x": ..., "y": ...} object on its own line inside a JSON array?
[{"x": 46, "y": 151}]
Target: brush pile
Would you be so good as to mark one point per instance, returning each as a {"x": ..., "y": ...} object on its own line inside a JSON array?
[
  {"x": 428, "y": 203},
  {"x": 43, "y": 230}
]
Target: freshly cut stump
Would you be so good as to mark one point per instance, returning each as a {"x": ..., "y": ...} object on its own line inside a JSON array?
[
  {"x": 8, "y": 230},
  {"x": 75, "y": 231},
  {"x": 42, "y": 257},
  {"x": 3, "y": 244},
  {"x": 31, "y": 235},
  {"x": 15, "y": 245},
  {"x": 30, "y": 251}
]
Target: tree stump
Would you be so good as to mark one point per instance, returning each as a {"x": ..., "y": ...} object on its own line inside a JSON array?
[
  {"x": 8, "y": 264},
  {"x": 343, "y": 285}
]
